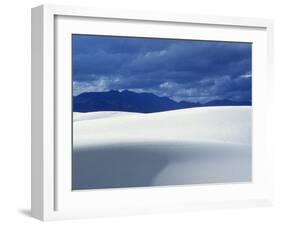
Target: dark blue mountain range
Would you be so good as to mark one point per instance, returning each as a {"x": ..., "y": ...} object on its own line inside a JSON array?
[{"x": 136, "y": 102}]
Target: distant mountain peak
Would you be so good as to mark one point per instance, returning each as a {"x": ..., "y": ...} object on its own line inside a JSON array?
[{"x": 126, "y": 100}]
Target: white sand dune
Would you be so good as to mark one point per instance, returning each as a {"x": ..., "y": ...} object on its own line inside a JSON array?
[
  {"x": 77, "y": 116},
  {"x": 189, "y": 146}
]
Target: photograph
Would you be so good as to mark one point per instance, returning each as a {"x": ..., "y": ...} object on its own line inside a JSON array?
[{"x": 152, "y": 111}]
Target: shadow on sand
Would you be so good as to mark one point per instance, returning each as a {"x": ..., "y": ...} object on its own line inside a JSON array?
[
  {"x": 113, "y": 166},
  {"x": 164, "y": 163}
]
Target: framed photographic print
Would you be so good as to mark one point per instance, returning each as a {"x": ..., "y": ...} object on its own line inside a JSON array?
[{"x": 138, "y": 112}]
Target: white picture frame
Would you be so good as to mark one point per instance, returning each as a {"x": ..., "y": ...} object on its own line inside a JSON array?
[{"x": 52, "y": 197}]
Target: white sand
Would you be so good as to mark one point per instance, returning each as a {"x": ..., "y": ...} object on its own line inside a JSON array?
[
  {"x": 189, "y": 146},
  {"x": 77, "y": 116}
]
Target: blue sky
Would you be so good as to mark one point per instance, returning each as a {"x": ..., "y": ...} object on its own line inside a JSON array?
[{"x": 196, "y": 71}]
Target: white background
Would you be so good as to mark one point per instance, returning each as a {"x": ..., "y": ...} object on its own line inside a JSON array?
[{"x": 15, "y": 112}]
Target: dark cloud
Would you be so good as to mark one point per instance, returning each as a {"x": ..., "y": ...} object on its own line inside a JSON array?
[{"x": 180, "y": 69}]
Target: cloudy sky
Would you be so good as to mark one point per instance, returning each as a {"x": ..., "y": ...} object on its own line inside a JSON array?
[{"x": 197, "y": 71}]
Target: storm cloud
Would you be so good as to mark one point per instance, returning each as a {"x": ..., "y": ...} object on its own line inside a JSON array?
[{"x": 197, "y": 71}]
